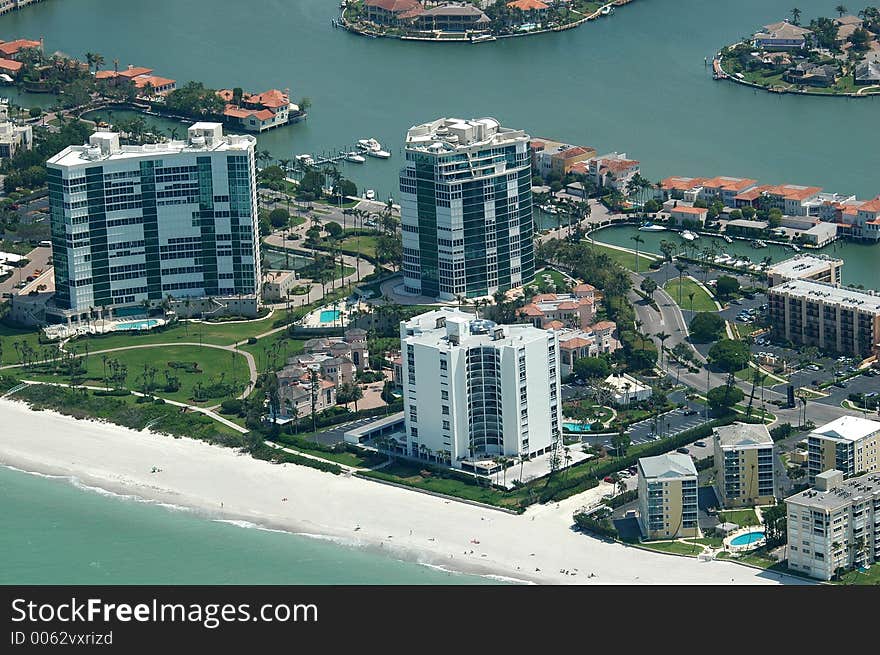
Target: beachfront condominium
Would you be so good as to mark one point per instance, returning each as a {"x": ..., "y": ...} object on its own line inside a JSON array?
[
  {"x": 474, "y": 390},
  {"x": 835, "y": 526},
  {"x": 806, "y": 267},
  {"x": 833, "y": 318},
  {"x": 668, "y": 497},
  {"x": 132, "y": 225},
  {"x": 849, "y": 444},
  {"x": 466, "y": 209},
  {"x": 743, "y": 454}
]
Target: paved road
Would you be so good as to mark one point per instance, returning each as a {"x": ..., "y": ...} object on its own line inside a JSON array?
[{"x": 39, "y": 259}]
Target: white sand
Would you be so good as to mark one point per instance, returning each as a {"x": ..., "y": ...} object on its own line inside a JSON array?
[{"x": 406, "y": 524}]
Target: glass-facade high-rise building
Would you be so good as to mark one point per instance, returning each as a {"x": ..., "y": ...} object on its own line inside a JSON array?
[
  {"x": 466, "y": 209},
  {"x": 136, "y": 224}
]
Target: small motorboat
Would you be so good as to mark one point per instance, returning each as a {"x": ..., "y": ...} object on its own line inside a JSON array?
[
  {"x": 355, "y": 158},
  {"x": 727, "y": 238},
  {"x": 607, "y": 10},
  {"x": 369, "y": 194},
  {"x": 687, "y": 235},
  {"x": 757, "y": 243},
  {"x": 306, "y": 160},
  {"x": 652, "y": 227},
  {"x": 482, "y": 38}
]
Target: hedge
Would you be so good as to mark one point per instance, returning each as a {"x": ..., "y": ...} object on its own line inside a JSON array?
[{"x": 622, "y": 499}]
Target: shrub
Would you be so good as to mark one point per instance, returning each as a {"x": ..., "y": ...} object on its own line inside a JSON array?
[{"x": 231, "y": 406}]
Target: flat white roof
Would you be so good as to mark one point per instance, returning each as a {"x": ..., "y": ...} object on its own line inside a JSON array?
[
  {"x": 803, "y": 266},
  {"x": 668, "y": 465},
  {"x": 848, "y": 428},
  {"x": 828, "y": 293}
]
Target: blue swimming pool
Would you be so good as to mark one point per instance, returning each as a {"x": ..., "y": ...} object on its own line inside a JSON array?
[
  {"x": 747, "y": 539},
  {"x": 576, "y": 427},
  {"x": 138, "y": 325},
  {"x": 329, "y": 315}
]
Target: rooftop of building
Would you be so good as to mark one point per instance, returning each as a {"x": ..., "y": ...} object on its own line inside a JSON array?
[
  {"x": 853, "y": 489},
  {"x": 782, "y": 30},
  {"x": 684, "y": 209},
  {"x": 803, "y": 265},
  {"x": 743, "y": 435},
  {"x": 105, "y": 147},
  {"x": 450, "y": 134},
  {"x": 449, "y": 327},
  {"x": 668, "y": 465},
  {"x": 625, "y": 383},
  {"x": 828, "y": 293},
  {"x": 730, "y": 183},
  {"x": 274, "y": 277},
  {"x": 681, "y": 183},
  {"x": 847, "y": 428},
  {"x": 794, "y": 191}
]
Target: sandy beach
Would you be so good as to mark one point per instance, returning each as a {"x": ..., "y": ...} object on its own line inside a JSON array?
[{"x": 223, "y": 484}]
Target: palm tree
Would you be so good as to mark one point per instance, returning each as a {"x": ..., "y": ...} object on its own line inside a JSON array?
[
  {"x": 638, "y": 239},
  {"x": 98, "y": 61},
  {"x": 90, "y": 60},
  {"x": 682, "y": 268},
  {"x": 796, "y": 16},
  {"x": 662, "y": 337},
  {"x": 691, "y": 298},
  {"x": 841, "y": 10}
]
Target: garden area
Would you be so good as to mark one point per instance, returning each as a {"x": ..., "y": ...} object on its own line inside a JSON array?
[
  {"x": 742, "y": 517},
  {"x": 690, "y": 295}
]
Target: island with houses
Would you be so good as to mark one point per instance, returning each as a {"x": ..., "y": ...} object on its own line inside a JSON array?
[
  {"x": 837, "y": 56},
  {"x": 469, "y": 21}
]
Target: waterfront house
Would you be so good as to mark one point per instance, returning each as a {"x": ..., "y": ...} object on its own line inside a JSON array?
[
  {"x": 792, "y": 199},
  {"x": 725, "y": 189},
  {"x": 533, "y": 11},
  {"x": 392, "y": 13},
  {"x": 257, "y": 112},
  {"x": 613, "y": 171},
  {"x": 13, "y": 137},
  {"x": 11, "y": 49},
  {"x": 142, "y": 78},
  {"x": 846, "y": 26},
  {"x": 782, "y": 36},
  {"x": 560, "y": 158},
  {"x": 451, "y": 17},
  {"x": 683, "y": 213},
  {"x": 867, "y": 73},
  {"x": 680, "y": 188},
  {"x": 868, "y": 218},
  {"x": 809, "y": 74},
  {"x": 10, "y": 66}
]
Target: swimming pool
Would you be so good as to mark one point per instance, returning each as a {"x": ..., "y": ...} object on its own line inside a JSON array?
[
  {"x": 329, "y": 315},
  {"x": 138, "y": 325},
  {"x": 576, "y": 427},
  {"x": 747, "y": 539}
]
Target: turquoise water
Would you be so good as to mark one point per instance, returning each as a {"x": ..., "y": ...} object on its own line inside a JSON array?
[
  {"x": 329, "y": 315},
  {"x": 56, "y": 533},
  {"x": 576, "y": 427},
  {"x": 138, "y": 325},
  {"x": 747, "y": 539},
  {"x": 635, "y": 83}
]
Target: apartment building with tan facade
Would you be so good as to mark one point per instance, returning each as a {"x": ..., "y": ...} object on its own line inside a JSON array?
[
  {"x": 668, "y": 497},
  {"x": 849, "y": 444},
  {"x": 744, "y": 465}
]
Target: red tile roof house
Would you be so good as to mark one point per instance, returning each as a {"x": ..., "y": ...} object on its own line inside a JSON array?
[
  {"x": 613, "y": 172},
  {"x": 392, "y": 12},
  {"x": 725, "y": 188},
  {"x": 685, "y": 213},
  {"x": 868, "y": 216},
  {"x": 10, "y": 66},
  {"x": 590, "y": 342},
  {"x": 258, "y": 112},
  {"x": 141, "y": 76},
  {"x": 681, "y": 188},
  {"x": 568, "y": 309},
  {"x": 792, "y": 199},
  {"x": 10, "y": 49}
]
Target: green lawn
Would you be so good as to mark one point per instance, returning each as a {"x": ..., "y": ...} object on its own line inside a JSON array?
[
  {"x": 221, "y": 334},
  {"x": 214, "y": 365},
  {"x": 714, "y": 542},
  {"x": 9, "y": 336},
  {"x": 742, "y": 517},
  {"x": 674, "y": 547},
  {"x": 626, "y": 259},
  {"x": 681, "y": 294},
  {"x": 558, "y": 278},
  {"x": 276, "y": 348},
  {"x": 872, "y": 577},
  {"x": 367, "y": 244}
]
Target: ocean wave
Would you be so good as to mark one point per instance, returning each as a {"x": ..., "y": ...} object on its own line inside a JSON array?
[
  {"x": 249, "y": 525},
  {"x": 101, "y": 491},
  {"x": 488, "y": 576}
]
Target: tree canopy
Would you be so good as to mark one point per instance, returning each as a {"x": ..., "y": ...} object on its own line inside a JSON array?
[
  {"x": 706, "y": 327},
  {"x": 729, "y": 355}
]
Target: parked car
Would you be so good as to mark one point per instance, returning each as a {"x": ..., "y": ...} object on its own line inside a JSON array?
[
  {"x": 700, "y": 444},
  {"x": 683, "y": 451},
  {"x": 608, "y": 478}
]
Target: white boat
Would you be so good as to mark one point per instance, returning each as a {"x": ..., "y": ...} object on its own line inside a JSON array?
[
  {"x": 757, "y": 243},
  {"x": 370, "y": 194},
  {"x": 306, "y": 160},
  {"x": 379, "y": 154},
  {"x": 368, "y": 144},
  {"x": 481, "y": 38},
  {"x": 652, "y": 227},
  {"x": 687, "y": 235},
  {"x": 606, "y": 10},
  {"x": 727, "y": 238},
  {"x": 354, "y": 158}
]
